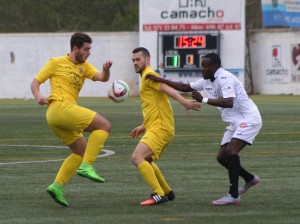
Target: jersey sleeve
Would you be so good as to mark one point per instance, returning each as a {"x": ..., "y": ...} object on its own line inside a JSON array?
[
  {"x": 90, "y": 71},
  {"x": 227, "y": 87},
  {"x": 197, "y": 85},
  {"x": 46, "y": 72}
]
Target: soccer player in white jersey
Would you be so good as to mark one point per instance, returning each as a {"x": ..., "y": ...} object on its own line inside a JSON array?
[{"x": 227, "y": 93}]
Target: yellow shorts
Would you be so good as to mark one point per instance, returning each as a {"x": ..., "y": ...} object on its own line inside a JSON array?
[
  {"x": 68, "y": 120},
  {"x": 157, "y": 140}
]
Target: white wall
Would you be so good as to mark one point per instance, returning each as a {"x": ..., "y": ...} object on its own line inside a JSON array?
[
  {"x": 275, "y": 73},
  {"x": 23, "y": 55}
]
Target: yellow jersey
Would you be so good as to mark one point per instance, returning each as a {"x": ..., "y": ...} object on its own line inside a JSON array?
[
  {"x": 66, "y": 78},
  {"x": 156, "y": 107}
]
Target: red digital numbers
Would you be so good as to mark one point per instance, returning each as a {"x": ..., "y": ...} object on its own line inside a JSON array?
[{"x": 190, "y": 41}]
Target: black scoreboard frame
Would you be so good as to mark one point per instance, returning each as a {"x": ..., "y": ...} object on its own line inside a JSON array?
[{"x": 182, "y": 50}]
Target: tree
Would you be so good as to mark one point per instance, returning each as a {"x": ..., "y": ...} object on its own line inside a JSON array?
[{"x": 68, "y": 15}]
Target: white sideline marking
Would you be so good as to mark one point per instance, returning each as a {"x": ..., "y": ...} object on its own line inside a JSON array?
[{"x": 106, "y": 153}]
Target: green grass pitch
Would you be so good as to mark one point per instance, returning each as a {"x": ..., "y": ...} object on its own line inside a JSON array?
[{"x": 30, "y": 156}]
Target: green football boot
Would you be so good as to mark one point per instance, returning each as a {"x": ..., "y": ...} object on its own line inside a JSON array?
[
  {"x": 55, "y": 191},
  {"x": 87, "y": 170}
]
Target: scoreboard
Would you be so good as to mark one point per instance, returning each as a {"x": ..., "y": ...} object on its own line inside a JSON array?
[{"x": 183, "y": 51}]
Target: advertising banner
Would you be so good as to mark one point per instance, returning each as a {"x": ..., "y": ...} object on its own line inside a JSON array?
[
  {"x": 177, "y": 15},
  {"x": 295, "y": 65},
  {"x": 281, "y": 13},
  {"x": 278, "y": 64}
]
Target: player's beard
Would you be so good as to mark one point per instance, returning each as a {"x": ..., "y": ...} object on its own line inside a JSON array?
[
  {"x": 205, "y": 76},
  {"x": 137, "y": 70},
  {"x": 80, "y": 58},
  {"x": 140, "y": 69}
]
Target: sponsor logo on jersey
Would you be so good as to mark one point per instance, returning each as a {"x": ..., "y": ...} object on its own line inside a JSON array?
[{"x": 243, "y": 125}]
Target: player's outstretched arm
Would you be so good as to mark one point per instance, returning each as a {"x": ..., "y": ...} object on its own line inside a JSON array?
[
  {"x": 104, "y": 75},
  {"x": 221, "y": 102},
  {"x": 35, "y": 89},
  {"x": 183, "y": 87},
  {"x": 188, "y": 104}
]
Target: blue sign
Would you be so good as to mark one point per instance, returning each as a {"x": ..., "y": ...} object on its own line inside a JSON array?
[{"x": 279, "y": 13}]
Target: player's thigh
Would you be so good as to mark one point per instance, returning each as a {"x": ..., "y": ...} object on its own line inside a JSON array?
[
  {"x": 68, "y": 121},
  {"x": 247, "y": 131},
  {"x": 99, "y": 123},
  {"x": 69, "y": 117},
  {"x": 67, "y": 137},
  {"x": 228, "y": 133},
  {"x": 78, "y": 146},
  {"x": 229, "y": 145},
  {"x": 157, "y": 140},
  {"x": 243, "y": 130}
]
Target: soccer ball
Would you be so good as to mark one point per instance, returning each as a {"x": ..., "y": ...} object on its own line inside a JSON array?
[{"x": 118, "y": 91}]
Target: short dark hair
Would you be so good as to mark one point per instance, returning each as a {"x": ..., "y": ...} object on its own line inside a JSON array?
[
  {"x": 141, "y": 49},
  {"x": 78, "y": 39},
  {"x": 214, "y": 58}
]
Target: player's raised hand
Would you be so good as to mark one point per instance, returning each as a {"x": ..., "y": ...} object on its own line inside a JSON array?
[
  {"x": 104, "y": 75},
  {"x": 107, "y": 65}
]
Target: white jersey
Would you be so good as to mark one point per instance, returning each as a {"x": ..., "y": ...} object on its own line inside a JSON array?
[{"x": 227, "y": 85}]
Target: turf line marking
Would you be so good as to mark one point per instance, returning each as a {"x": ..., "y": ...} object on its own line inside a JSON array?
[
  {"x": 106, "y": 153},
  {"x": 36, "y": 146},
  {"x": 172, "y": 219}
]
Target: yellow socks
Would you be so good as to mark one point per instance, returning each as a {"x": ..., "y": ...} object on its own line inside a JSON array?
[
  {"x": 68, "y": 169},
  {"x": 163, "y": 183},
  {"x": 95, "y": 143},
  {"x": 148, "y": 173}
]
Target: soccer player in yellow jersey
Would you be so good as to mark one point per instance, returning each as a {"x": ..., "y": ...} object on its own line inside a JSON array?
[
  {"x": 69, "y": 120},
  {"x": 158, "y": 125}
]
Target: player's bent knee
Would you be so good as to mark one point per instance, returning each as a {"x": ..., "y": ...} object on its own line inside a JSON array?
[
  {"x": 221, "y": 160},
  {"x": 134, "y": 160},
  {"x": 99, "y": 123},
  {"x": 137, "y": 158},
  {"x": 104, "y": 126},
  {"x": 107, "y": 126}
]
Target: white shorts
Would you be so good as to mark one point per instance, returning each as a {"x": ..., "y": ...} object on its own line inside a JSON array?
[{"x": 243, "y": 130}]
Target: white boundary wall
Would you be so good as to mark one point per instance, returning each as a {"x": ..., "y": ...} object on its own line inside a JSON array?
[
  {"x": 275, "y": 61},
  {"x": 23, "y": 55}
]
